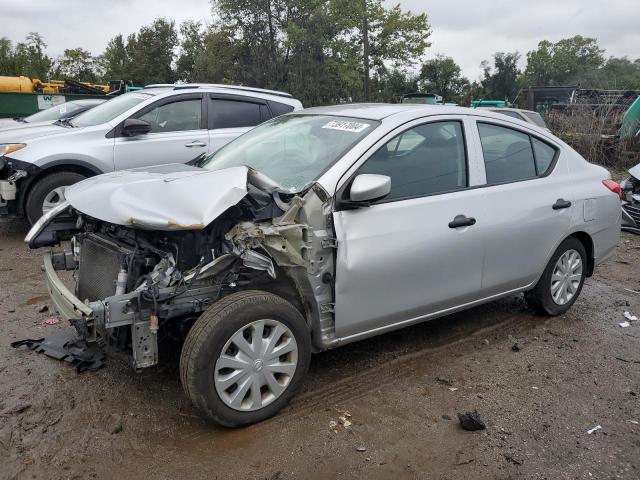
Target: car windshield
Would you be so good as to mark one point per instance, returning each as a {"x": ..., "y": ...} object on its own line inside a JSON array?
[
  {"x": 109, "y": 110},
  {"x": 293, "y": 150},
  {"x": 54, "y": 113}
]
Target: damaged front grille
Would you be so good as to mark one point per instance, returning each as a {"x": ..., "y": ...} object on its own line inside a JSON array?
[
  {"x": 100, "y": 263},
  {"x": 633, "y": 211}
]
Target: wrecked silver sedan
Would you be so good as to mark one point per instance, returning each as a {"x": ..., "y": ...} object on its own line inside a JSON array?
[{"x": 320, "y": 228}]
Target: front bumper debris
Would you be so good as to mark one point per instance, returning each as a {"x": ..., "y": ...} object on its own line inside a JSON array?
[{"x": 66, "y": 345}]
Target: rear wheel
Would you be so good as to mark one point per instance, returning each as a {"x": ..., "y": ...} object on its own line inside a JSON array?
[
  {"x": 48, "y": 193},
  {"x": 562, "y": 280},
  {"x": 245, "y": 358}
]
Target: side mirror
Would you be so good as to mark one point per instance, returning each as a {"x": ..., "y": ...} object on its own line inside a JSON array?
[
  {"x": 133, "y": 126},
  {"x": 368, "y": 187}
]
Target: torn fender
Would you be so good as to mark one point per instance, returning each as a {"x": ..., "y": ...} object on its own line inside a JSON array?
[{"x": 167, "y": 197}]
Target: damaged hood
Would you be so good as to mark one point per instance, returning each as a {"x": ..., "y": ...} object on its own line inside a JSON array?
[
  {"x": 635, "y": 172},
  {"x": 167, "y": 197}
]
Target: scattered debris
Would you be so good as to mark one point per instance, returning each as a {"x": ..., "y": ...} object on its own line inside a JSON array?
[
  {"x": 43, "y": 308},
  {"x": 627, "y": 361},
  {"x": 27, "y": 461},
  {"x": 594, "y": 429},
  {"x": 453, "y": 389},
  {"x": 486, "y": 341},
  {"x": 444, "y": 381},
  {"x": 116, "y": 424},
  {"x": 635, "y": 422},
  {"x": 624, "y": 324},
  {"x": 446, "y": 417},
  {"x": 511, "y": 459},
  {"x": 333, "y": 425},
  {"x": 361, "y": 449},
  {"x": 534, "y": 388},
  {"x": 66, "y": 345},
  {"x": 16, "y": 409},
  {"x": 629, "y": 316},
  {"x": 471, "y": 421},
  {"x": 343, "y": 420},
  {"x": 11, "y": 310},
  {"x": 632, "y": 291},
  {"x": 515, "y": 347},
  {"x": 52, "y": 321}
]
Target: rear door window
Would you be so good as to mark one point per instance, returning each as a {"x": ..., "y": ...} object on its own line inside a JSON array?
[
  {"x": 226, "y": 113},
  {"x": 511, "y": 155}
]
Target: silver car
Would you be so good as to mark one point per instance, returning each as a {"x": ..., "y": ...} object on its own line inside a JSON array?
[
  {"x": 65, "y": 110},
  {"x": 320, "y": 228},
  {"x": 159, "y": 124}
]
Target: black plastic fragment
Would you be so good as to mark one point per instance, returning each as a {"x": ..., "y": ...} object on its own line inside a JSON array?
[
  {"x": 67, "y": 346},
  {"x": 471, "y": 421}
]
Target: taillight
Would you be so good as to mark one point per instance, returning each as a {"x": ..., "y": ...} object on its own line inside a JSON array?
[{"x": 613, "y": 186}]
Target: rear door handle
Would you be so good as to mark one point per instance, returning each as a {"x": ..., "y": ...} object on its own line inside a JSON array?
[
  {"x": 195, "y": 143},
  {"x": 462, "y": 221},
  {"x": 561, "y": 203}
]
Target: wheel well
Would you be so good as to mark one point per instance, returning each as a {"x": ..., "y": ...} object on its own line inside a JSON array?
[
  {"x": 282, "y": 286},
  {"x": 65, "y": 167},
  {"x": 587, "y": 242}
]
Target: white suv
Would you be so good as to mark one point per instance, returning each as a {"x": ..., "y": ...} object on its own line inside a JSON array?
[{"x": 157, "y": 125}]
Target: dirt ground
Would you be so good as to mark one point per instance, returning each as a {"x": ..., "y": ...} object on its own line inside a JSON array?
[{"x": 402, "y": 391}]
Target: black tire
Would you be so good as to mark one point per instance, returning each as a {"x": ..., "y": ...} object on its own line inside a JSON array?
[
  {"x": 43, "y": 187},
  {"x": 540, "y": 298},
  {"x": 209, "y": 335}
]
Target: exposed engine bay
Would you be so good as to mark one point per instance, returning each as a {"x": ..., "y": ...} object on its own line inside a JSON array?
[{"x": 137, "y": 286}]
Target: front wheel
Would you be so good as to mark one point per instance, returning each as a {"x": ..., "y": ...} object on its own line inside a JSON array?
[
  {"x": 245, "y": 358},
  {"x": 48, "y": 193},
  {"x": 562, "y": 280}
]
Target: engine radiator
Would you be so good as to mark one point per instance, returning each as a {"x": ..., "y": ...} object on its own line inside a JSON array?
[{"x": 100, "y": 263}]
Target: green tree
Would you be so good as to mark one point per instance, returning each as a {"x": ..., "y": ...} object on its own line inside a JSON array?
[
  {"x": 191, "y": 45},
  {"x": 500, "y": 81},
  {"x": 151, "y": 52},
  {"x": 115, "y": 60},
  {"x": 30, "y": 58},
  {"x": 570, "y": 60},
  {"x": 387, "y": 36},
  {"x": 217, "y": 61},
  {"x": 77, "y": 64},
  {"x": 620, "y": 73},
  {"x": 7, "y": 57},
  {"x": 442, "y": 75}
]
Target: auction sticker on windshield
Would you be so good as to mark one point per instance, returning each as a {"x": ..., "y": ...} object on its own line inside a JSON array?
[{"x": 346, "y": 126}]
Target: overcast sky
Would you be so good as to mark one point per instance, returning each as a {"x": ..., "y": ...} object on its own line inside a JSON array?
[{"x": 467, "y": 30}]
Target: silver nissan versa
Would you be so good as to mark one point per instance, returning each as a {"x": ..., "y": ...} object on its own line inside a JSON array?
[
  {"x": 320, "y": 228},
  {"x": 159, "y": 124}
]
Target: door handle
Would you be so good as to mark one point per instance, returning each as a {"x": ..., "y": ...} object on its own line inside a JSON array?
[
  {"x": 462, "y": 221},
  {"x": 561, "y": 203},
  {"x": 195, "y": 143}
]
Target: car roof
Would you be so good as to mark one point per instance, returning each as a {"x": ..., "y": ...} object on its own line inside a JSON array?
[
  {"x": 507, "y": 109},
  {"x": 379, "y": 111},
  {"x": 88, "y": 101},
  {"x": 275, "y": 95}
]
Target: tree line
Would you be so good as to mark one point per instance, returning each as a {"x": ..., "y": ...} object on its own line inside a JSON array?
[{"x": 321, "y": 51}]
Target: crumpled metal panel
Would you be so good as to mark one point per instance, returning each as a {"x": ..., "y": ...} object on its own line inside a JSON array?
[
  {"x": 167, "y": 197},
  {"x": 635, "y": 172}
]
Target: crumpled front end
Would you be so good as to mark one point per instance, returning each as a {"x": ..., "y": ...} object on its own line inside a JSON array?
[
  {"x": 135, "y": 286},
  {"x": 631, "y": 201},
  {"x": 14, "y": 179}
]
